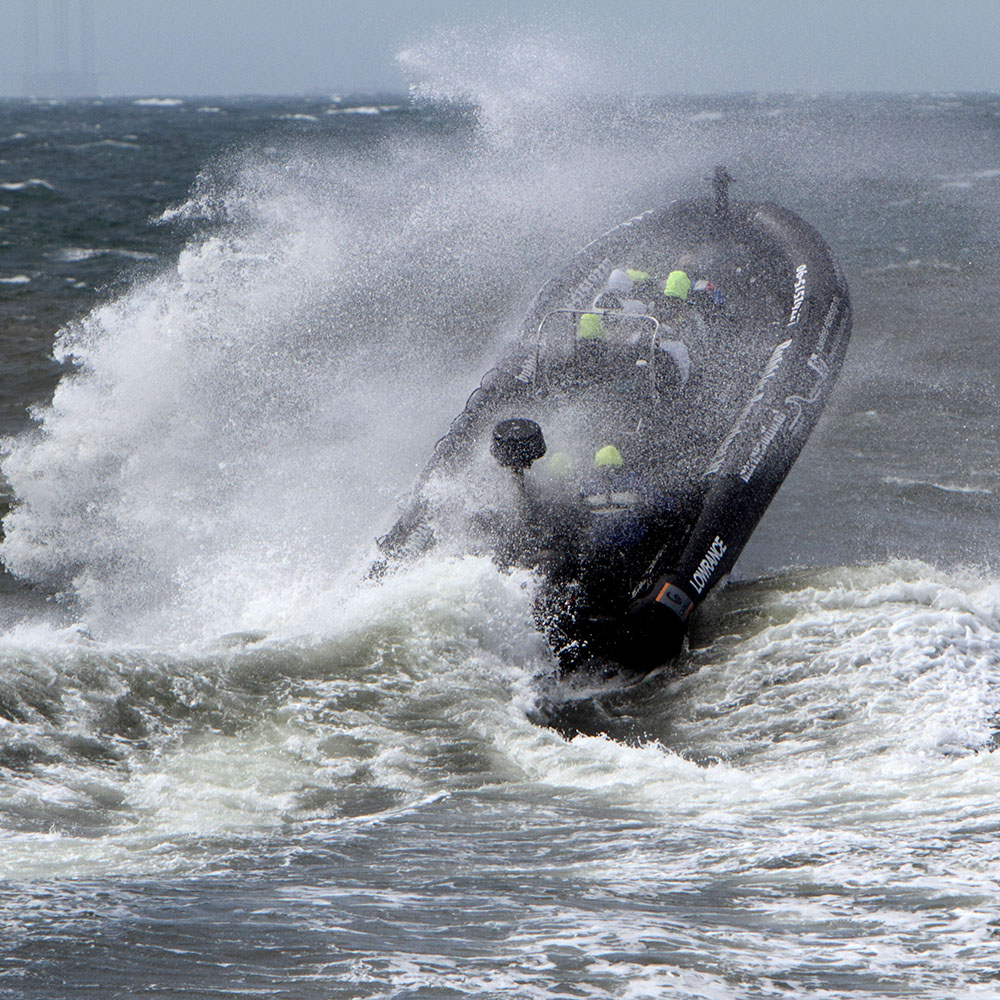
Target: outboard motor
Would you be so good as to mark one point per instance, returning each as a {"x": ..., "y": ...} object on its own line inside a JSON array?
[{"x": 517, "y": 443}]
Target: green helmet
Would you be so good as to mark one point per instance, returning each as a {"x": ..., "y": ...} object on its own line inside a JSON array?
[
  {"x": 590, "y": 327},
  {"x": 678, "y": 285},
  {"x": 609, "y": 455}
]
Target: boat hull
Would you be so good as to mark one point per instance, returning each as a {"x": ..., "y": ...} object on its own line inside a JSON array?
[{"x": 699, "y": 407}]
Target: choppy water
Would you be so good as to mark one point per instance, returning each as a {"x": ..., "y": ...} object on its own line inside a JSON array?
[{"x": 229, "y": 765}]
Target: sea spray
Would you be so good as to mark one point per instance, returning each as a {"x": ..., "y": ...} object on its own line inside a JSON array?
[
  {"x": 239, "y": 425},
  {"x": 346, "y": 798}
]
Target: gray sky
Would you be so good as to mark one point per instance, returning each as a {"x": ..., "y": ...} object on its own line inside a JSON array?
[{"x": 218, "y": 47}]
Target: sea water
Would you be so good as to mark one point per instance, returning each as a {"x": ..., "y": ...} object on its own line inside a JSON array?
[{"x": 231, "y": 765}]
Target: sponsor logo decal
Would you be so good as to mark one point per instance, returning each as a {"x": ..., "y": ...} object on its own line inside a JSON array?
[
  {"x": 671, "y": 596},
  {"x": 711, "y": 559},
  {"x": 799, "y": 293},
  {"x": 758, "y": 394},
  {"x": 824, "y": 333},
  {"x": 592, "y": 285},
  {"x": 526, "y": 373},
  {"x": 796, "y": 403},
  {"x": 749, "y": 467}
]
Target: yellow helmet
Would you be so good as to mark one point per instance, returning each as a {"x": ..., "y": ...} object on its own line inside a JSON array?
[
  {"x": 590, "y": 327},
  {"x": 678, "y": 285},
  {"x": 609, "y": 455}
]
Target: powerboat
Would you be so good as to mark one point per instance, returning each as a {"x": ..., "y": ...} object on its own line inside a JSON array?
[{"x": 634, "y": 432}]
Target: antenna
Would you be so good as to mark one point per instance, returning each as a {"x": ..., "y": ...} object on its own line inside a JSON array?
[{"x": 720, "y": 182}]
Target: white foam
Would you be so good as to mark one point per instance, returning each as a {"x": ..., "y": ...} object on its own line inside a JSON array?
[
  {"x": 109, "y": 144},
  {"x": 440, "y": 641},
  {"x": 16, "y": 279},
  {"x": 72, "y": 255},
  {"x": 360, "y": 110},
  {"x": 34, "y": 182},
  {"x": 943, "y": 487},
  {"x": 869, "y": 684},
  {"x": 159, "y": 102}
]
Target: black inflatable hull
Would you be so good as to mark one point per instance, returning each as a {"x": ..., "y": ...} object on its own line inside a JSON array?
[{"x": 711, "y": 445}]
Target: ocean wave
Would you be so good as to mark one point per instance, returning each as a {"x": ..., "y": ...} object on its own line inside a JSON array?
[
  {"x": 298, "y": 117},
  {"x": 832, "y": 669},
  {"x": 107, "y": 143},
  {"x": 158, "y": 102},
  {"x": 208, "y": 110},
  {"x": 966, "y": 179},
  {"x": 907, "y": 483},
  {"x": 913, "y": 264},
  {"x": 141, "y": 739},
  {"x": 35, "y": 183},
  {"x": 362, "y": 110},
  {"x": 16, "y": 279},
  {"x": 72, "y": 255}
]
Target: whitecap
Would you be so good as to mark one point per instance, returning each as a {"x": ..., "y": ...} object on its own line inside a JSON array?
[
  {"x": 158, "y": 102},
  {"x": 35, "y": 182},
  {"x": 209, "y": 110},
  {"x": 16, "y": 279},
  {"x": 73, "y": 255},
  {"x": 930, "y": 484},
  {"x": 299, "y": 118},
  {"x": 111, "y": 143},
  {"x": 131, "y": 254},
  {"x": 363, "y": 110},
  {"x": 114, "y": 143}
]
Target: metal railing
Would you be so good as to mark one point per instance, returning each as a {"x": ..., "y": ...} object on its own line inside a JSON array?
[{"x": 647, "y": 356}]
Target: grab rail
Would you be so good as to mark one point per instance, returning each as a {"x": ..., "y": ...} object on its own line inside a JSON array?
[{"x": 650, "y": 361}]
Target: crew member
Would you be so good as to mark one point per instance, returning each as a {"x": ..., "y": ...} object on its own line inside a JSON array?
[
  {"x": 677, "y": 285},
  {"x": 618, "y": 296}
]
